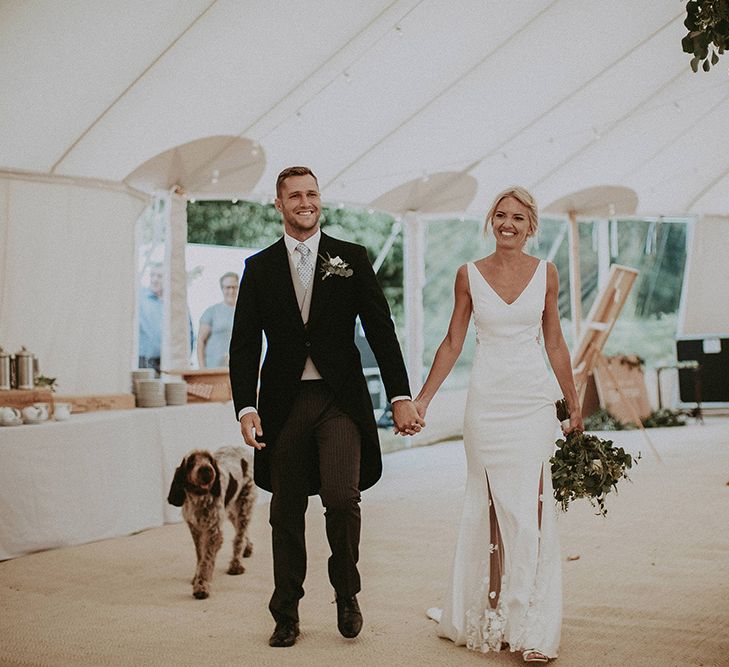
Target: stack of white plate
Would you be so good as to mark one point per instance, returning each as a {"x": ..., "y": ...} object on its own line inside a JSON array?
[
  {"x": 150, "y": 394},
  {"x": 141, "y": 374},
  {"x": 176, "y": 393}
]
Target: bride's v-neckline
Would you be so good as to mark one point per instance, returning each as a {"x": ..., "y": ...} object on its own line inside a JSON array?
[{"x": 525, "y": 288}]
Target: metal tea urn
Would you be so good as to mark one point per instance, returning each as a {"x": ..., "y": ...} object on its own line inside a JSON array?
[
  {"x": 4, "y": 370},
  {"x": 24, "y": 368}
]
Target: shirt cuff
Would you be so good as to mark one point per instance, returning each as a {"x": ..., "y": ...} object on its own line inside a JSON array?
[
  {"x": 400, "y": 398},
  {"x": 245, "y": 411}
]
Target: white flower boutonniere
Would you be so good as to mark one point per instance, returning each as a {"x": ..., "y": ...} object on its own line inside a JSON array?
[{"x": 335, "y": 266}]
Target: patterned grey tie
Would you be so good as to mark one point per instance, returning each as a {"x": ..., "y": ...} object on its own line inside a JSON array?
[{"x": 305, "y": 267}]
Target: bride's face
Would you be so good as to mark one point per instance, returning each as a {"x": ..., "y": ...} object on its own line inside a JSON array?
[{"x": 511, "y": 223}]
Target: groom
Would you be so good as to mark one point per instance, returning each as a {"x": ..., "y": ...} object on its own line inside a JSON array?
[{"x": 313, "y": 428}]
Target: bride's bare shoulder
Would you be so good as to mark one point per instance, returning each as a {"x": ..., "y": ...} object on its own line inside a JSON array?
[{"x": 483, "y": 261}]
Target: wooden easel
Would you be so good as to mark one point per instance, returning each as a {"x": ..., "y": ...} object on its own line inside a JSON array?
[{"x": 598, "y": 325}]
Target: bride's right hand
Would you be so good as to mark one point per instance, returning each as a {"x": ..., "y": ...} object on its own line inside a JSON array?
[{"x": 421, "y": 406}]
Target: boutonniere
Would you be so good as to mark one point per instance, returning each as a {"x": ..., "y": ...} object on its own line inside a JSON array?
[{"x": 334, "y": 266}]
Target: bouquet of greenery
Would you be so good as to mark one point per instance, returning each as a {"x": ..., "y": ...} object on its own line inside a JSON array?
[{"x": 585, "y": 466}]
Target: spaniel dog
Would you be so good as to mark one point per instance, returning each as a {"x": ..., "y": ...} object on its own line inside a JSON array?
[{"x": 207, "y": 487}]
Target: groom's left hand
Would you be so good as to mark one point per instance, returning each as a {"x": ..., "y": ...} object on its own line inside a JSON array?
[{"x": 406, "y": 418}]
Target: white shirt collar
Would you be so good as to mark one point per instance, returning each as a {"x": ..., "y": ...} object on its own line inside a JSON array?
[{"x": 312, "y": 242}]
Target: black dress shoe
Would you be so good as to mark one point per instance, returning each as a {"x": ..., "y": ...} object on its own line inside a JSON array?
[
  {"x": 284, "y": 634},
  {"x": 349, "y": 617}
]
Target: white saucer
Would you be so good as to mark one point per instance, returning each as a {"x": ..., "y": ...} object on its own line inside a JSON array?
[
  {"x": 15, "y": 422},
  {"x": 33, "y": 421}
]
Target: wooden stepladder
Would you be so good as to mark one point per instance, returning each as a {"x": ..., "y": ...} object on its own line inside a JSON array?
[
  {"x": 597, "y": 327},
  {"x": 600, "y": 322}
]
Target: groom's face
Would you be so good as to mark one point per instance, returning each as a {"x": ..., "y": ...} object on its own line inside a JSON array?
[{"x": 300, "y": 206}]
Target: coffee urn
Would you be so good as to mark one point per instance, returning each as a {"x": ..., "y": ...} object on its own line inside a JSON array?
[{"x": 24, "y": 369}]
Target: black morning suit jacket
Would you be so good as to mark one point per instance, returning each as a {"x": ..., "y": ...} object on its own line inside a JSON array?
[{"x": 267, "y": 303}]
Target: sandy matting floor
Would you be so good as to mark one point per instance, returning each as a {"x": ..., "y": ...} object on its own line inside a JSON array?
[{"x": 650, "y": 587}]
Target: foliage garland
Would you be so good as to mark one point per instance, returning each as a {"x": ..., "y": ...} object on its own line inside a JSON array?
[{"x": 707, "y": 22}]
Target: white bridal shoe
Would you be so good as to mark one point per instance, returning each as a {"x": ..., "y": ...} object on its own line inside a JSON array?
[
  {"x": 532, "y": 655},
  {"x": 434, "y": 614}
]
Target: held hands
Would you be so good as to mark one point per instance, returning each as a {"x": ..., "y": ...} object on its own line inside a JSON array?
[
  {"x": 250, "y": 423},
  {"x": 407, "y": 419}
]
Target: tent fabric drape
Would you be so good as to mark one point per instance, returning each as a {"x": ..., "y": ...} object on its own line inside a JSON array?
[{"x": 704, "y": 303}]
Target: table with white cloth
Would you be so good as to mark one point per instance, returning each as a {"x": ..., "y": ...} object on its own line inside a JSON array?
[{"x": 101, "y": 474}]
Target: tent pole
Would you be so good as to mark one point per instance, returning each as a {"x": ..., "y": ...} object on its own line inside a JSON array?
[
  {"x": 575, "y": 283},
  {"x": 175, "y": 327}
]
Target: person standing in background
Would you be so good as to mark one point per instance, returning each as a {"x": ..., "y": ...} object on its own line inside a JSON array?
[
  {"x": 216, "y": 325},
  {"x": 150, "y": 321}
]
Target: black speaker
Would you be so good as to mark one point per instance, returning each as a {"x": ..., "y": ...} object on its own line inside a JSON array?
[{"x": 712, "y": 355}]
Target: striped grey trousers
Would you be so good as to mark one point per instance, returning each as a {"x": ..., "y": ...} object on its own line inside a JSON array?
[{"x": 317, "y": 439}]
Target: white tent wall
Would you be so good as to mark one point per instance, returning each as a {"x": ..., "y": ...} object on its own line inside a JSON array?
[
  {"x": 66, "y": 279},
  {"x": 705, "y": 301}
]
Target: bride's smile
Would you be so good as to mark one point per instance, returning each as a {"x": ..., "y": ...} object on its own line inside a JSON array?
[{"x": 511, "y": 222}]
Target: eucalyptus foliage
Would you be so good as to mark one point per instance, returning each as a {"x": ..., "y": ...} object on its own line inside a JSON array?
[
  {"x": 707, "y": 22},
  {"x": 585, "y": 466}
]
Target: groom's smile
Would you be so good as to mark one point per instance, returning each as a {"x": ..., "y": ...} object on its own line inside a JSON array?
[{"x": 300, "y": 206}]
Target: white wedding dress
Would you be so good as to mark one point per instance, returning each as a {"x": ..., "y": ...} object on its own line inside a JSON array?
[{"x": 506, "y": 583}]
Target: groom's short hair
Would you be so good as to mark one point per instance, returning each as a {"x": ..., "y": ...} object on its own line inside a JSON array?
[{"x": 293, "y": 171}]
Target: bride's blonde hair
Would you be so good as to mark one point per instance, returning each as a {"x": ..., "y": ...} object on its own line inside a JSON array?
[{"x": 524, "y": 197}]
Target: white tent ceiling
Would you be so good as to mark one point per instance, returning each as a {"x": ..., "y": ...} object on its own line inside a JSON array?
[{"x": 557, "y": 95}]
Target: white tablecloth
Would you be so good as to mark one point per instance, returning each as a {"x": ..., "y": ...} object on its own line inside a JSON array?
[{"x": 101, "y": 474}]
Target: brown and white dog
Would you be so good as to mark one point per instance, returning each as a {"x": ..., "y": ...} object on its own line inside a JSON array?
[{"x": 207, "y": 487}]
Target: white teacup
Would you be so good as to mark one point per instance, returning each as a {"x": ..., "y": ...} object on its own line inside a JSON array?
[
  {"x": 45, "y": 409},
  {"x": 33, "y": 413},
  {"x": 9, "y": 415},
  {"x": 62, "y": 412}
]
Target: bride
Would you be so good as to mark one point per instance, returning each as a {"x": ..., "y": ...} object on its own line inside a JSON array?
[{"x": 505, "y": 589}]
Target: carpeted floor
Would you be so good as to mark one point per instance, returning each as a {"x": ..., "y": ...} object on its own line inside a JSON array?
[{"x": 650, "y": 587}]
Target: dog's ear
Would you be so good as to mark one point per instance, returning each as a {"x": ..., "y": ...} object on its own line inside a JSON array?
[
  {"x": 215, "y": 490},
  {"x": 176, "y": 495}
]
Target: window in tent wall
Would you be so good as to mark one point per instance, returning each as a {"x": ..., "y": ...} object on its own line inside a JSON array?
[{"x": 657, "y": 248}]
